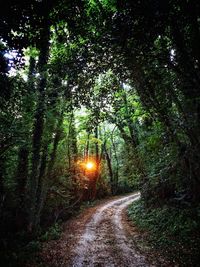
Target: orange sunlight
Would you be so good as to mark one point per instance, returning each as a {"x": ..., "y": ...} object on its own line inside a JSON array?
[{"x": 89, "y": 165}]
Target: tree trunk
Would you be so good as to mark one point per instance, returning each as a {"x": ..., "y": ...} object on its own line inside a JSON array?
[
  {"x": 2, "y": 191},
  {"x": 46, "y": 171},
  {"x": 72, "y": 144},
  {"x": 116, "y": 170},
  {"x": 38, "y": 127},
  {"x": 87, "y": 147},
  {"x": 109, "y": 163},
  {"x": 22, "y": 174},
  {"x": 41, "y": 185}
]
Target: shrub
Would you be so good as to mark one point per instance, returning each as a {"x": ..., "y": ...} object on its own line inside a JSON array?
[
  {"x": 52, "y": 233},
  {"x": 173, "y": 231}
]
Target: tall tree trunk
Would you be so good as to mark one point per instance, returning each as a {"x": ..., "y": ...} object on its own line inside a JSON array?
[
  {"x": 109, "y": 163},
  {"x": 87, "y": 147},
  {"x": 2, "y": 191},
  {"x": 41, "y": 185},
  {"x": 74, "y": 148},
  {"x": 72, "y": 143},
  {"x": 116, "y": 170},
  {"x": 97, "y": 160},
  {"x": 21, "y": 179},
  {"x": 46, "y": 170},
  {"x": 38, "y": 126}
]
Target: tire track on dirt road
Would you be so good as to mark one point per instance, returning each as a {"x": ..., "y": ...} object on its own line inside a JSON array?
[{"x": 104, "y": 241}]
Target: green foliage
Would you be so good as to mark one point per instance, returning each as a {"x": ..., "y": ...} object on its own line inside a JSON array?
[
  {"x": 33, "y": 247},
  {"x": 174, "y": 231},
  {"x": 53, "y": 233}
]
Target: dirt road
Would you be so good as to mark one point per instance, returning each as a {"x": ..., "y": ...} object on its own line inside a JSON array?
[
  {"x": 104, "y": 242},
  {"x": 99, "y": 237}
]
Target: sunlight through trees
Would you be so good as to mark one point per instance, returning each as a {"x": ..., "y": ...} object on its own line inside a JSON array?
[{"x": 99, "y": 98}]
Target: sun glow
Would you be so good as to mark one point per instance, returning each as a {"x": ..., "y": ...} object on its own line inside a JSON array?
[{"x": 89, "y": 165}]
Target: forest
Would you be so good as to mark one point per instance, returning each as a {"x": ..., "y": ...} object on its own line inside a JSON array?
[{"x": 99, "y": 98}]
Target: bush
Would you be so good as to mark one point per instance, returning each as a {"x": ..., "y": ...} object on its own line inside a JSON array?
[
  {"x": 175, "y": 232},
  {"x": 53, "y": 233}
]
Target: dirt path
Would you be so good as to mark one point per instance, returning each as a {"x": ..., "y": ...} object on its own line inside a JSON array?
[
  {"x": 104, "y": 242},
  {"x": 100, "y": 236}
]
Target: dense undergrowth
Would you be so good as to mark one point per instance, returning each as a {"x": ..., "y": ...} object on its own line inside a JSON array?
[
  {"x": 20, "y": 249},
  {"x": 172, "y": 231}
]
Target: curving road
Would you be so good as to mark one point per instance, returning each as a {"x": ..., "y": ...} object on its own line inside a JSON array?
[{"x": 104, "y": 242}]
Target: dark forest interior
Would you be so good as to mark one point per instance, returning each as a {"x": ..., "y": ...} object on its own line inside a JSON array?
[{"x": 99, "y": 98}]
